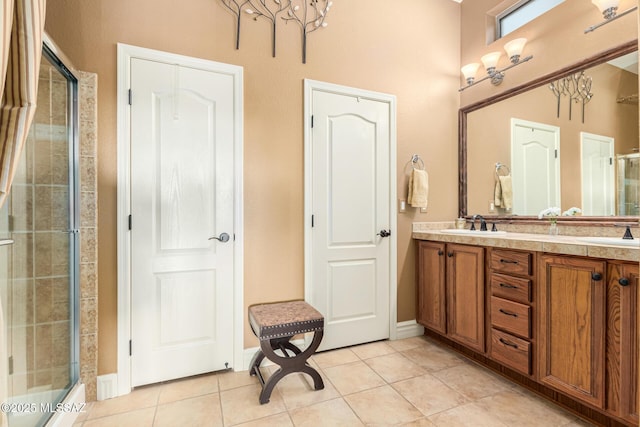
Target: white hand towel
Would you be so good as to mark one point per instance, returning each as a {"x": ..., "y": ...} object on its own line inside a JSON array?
[{"x": 418, "y": 188}]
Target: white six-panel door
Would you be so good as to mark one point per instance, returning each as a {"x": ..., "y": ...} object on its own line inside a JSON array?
[
  {"x": 351, "y": 203},
  {"x": 182, "y": 197}
]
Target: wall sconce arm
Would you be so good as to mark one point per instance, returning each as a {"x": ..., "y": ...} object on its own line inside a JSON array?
[{"x": 498, "y": 75}]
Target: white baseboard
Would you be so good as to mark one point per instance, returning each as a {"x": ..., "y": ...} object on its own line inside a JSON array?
[
  {"x": 107, "y": 386},
  {"x": 406, "y": 329}
]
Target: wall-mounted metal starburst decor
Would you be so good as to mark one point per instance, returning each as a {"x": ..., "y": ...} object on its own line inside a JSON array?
[{"x": 309, "y": 15}]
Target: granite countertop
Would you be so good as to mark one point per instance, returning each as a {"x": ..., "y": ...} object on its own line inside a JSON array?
[{"x": 567, "y": 245}]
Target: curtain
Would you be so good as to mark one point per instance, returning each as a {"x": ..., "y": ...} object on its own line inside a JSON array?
[
  {"x": 21, "y": 33},
  {"x": 21, "y": 28}
]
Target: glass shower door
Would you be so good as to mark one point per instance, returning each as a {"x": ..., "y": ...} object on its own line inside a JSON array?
[{"x": 40, "y": 301}]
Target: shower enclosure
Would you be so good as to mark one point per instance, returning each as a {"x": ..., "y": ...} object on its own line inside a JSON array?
[
  {"x": 39, "y": 287},
  {"x": 628, "y": 184}
]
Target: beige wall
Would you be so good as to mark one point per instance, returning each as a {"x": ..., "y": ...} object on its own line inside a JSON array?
[{"x": 411, "y": 51}]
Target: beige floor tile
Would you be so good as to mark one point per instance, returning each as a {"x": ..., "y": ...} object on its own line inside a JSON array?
[
  {"x": 197, "y": 411},
  {"x": 374, "y": 349},
  {"x": 472, "y": 381},
  {"x": 433, "y": 358},
  {"x": 422, "y": 422},
  {"x": 189, "y": 387},
  {"x": 407, "y": 343},
  {"x": 334, "y": 412},
  {"x": 229, "y": 380},
  {"x": 516, "y": 409},
  {"x": 331, "y": 358},
  {"x": 382, "y": 406},
  {"x": 429, "y": 394},
  {"x": 298, "y": 390},
  {"x": 394, "y": 367},
  {"x": 145, "y": 397},
  {"x": 139, "y": 418},
  {"x": 469, "y": 415},
  {"x": 241, "y": 404},
  {"x": 353, "y": 377},
  {"x": 279, "y": 420}
]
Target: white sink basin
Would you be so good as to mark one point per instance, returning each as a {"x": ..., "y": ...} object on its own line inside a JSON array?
[
  {"x": 473, "y": 232},
  {"x": 617, "y": 241}
]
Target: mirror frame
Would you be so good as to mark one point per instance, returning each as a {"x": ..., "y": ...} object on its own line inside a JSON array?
[{"x": 462, "y": 135}]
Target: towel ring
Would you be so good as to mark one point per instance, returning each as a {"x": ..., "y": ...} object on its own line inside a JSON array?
[
  {"x": 502, "y": 170},
  {"x": 415, "y": 159}
]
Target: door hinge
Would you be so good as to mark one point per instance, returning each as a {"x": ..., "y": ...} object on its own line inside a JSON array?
[
  {"x": 556, "y": 152},
  {"x": 130, "y": 97},
  {"x": 313, "y": 217},
  {"x": 311, "y": 121},
  {"x": 10, "y": 365},
  {"x": 130, "y": 348},
  {"x": 129, "y": 222},
  {"x": 10, "y": 221},
  {"x": 610, "y": 161}
]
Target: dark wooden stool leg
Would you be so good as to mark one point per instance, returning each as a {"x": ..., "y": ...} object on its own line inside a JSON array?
[{"x": 288, "y": 365}]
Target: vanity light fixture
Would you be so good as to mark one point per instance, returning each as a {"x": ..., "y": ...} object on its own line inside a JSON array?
[
  {"x": 609, "y": 10},
  {"x": 490, "y": 61}
]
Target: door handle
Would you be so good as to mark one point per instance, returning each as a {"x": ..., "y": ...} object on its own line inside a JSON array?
[
  {"x": 223, "y": 237},
  {"x": 384, "y": 233}
]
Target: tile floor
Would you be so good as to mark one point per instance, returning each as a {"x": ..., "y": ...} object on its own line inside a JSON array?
[{"x": 409, "y": 382}]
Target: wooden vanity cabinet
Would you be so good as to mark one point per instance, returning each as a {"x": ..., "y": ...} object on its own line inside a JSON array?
[
  {"x": 571, "y": 301},
  {"x": 511, "y": 311},
  {"x": 622, "y": 340},
  {"x": 451, "y": 291}
]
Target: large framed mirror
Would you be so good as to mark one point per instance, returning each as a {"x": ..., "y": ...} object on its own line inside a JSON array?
[{"x": 568, "y": 139}]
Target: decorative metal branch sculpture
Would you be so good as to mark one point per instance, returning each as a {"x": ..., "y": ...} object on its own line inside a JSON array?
[
  {"x": 310, "y": 18},
  {"x": 577, "y": 87},
  {"x": 260, "y": 9},
  {"x": 236, "y": 9}
]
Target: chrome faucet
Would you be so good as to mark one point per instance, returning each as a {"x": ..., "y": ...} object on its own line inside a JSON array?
[{"x": 483, "y": 223}]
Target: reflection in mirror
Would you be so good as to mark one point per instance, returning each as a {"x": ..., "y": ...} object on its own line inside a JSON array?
[{"x": 569, "y": 140}]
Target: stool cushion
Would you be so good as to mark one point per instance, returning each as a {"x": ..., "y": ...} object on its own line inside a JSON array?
[{"x": 284, "y": 319}]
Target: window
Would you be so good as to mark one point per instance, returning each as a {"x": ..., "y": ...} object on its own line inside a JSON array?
[{"x": 521, "y": 13}]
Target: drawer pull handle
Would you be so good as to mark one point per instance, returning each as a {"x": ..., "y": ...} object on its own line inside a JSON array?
[
  {"x": 508, "y": 261},
  {"x": 510, "y": 344},
  {"x": 505, "y": 285},
  {"x": 508, "y": 313}
]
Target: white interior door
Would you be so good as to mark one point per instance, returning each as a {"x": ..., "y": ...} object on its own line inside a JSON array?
[
  {"x": 535, "y": 171},
  {"x": 598, "y": 174},
  {"x": 351, "y": 205},
  {"x": 182, "y": 195}
]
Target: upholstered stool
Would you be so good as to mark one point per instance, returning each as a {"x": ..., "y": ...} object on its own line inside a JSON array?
[{"x": 275, "y": 324}]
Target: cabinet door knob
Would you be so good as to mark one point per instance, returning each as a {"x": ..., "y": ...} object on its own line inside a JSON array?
[
  {"x": 440, "y": 252},
  {"x": 450, "y": 254},
  {"x": 596, "y": 276},
  {"x": 623, "y": 281}
]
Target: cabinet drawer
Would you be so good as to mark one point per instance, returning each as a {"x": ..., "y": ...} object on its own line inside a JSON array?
[
  {"x": 511, "y": 316},
  {"x": 510, "y": 287},
  {"x": 511, "y": 262},
  {"x": 511, "y": 351}
]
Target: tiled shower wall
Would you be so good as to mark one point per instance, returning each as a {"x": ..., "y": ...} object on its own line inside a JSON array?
[{"x": 88, "y": 107}]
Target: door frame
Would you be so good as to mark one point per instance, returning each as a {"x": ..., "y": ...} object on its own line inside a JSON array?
[
  {"x": 125, "y": 54},
  {"x": 309, "y": 87}
]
